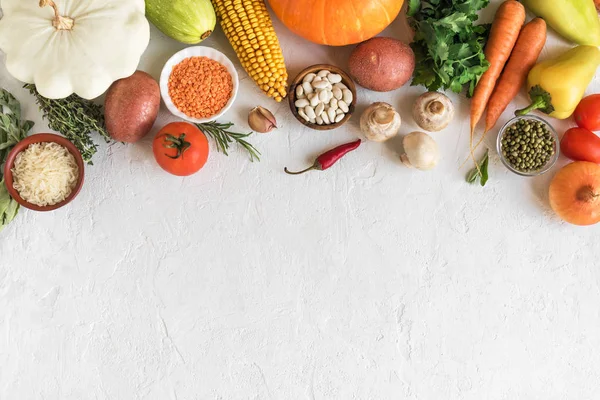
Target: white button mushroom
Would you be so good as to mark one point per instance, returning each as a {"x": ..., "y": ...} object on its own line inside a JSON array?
[
  {"x": 380, "y": 122},
  {"x": 420, "y": 151},
  {"x": 433, "y": 111}
]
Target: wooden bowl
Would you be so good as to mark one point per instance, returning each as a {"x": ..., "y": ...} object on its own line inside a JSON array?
[
  {"x": 346, "y": 80},
  {"x": 42, "y": 138}
]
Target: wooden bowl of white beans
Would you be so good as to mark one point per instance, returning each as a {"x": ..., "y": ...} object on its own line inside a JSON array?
[{"x": 322, "y": 97}]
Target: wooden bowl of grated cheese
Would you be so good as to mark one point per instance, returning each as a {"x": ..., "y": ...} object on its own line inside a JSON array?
[{"x": 44, "y": 172}]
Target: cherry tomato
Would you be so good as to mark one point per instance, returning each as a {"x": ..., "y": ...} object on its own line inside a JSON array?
[
  {"x": 579, "y": 144},
  {"x": 180, "y": 148},
  {"x": 587, "y": 113}
]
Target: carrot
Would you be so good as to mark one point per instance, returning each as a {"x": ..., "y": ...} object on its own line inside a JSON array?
[
  {"x": 505, "y": 30},
  {"x": 523, "y": 57}
]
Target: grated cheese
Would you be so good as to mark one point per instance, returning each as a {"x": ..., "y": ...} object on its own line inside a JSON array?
[{"x": 45, "y": 174}]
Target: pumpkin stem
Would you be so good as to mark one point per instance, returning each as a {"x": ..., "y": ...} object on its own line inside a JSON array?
[
  {"x": 60, "y": 23},
  {"x": 587, "y": 194}
]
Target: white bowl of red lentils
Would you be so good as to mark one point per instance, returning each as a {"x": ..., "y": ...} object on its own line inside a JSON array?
[{"x": 199, "y": 84}]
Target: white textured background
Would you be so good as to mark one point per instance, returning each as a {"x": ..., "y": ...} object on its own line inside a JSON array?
[{"x": 366, "y": 281}]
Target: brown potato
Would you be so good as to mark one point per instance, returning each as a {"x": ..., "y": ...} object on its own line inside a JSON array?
[
  {"x": 382, "y": 64},
  {"x": 131, "y": 107}
]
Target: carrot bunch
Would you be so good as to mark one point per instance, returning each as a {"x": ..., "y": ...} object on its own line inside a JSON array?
[{"x": 512, "y": 52}]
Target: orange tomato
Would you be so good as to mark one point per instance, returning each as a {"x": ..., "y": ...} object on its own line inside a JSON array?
[{"x": 180, "y": 148}]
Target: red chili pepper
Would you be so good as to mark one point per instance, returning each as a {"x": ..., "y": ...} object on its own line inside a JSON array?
[{"x": 329, "y": 158}]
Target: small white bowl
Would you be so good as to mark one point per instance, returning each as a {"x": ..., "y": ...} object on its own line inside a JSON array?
[{"x": 197, "y": 51}]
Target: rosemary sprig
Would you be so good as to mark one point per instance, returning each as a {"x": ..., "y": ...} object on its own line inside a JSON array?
[
  {"x": 220, "y": 133},
  {"x": 75, "y": 118}
]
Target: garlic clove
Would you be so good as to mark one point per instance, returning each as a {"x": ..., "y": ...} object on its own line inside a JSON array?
[{"x": 261, "y": 120}]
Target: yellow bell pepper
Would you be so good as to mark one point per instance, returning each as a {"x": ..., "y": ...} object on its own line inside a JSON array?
[
  {"x": 575, "y": 20},
  {"x": 557, "y": 86}
]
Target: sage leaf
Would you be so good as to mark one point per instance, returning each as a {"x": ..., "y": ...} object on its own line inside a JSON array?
[
  {"x": 4, "y": 199},
  {"x": 12, "y": 131},
  {"x": 9, "y": 101},
  {"x": 11, "y": 211},
  {"x": 7, "y": 144},
  {"x": 473, "y": 175},
  {"x": 484, "y": 169},
  {"x": 480, "y": 171}
]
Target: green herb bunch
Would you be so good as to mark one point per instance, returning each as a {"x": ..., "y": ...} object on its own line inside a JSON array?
[
  {"x": 448, "y": 46},
  {"x": 12, "y": 131},
  {"x": 75, "y": 118}
]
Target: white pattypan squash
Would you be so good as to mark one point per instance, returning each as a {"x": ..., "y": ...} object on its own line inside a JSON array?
[{"x": 73, "y": 46}]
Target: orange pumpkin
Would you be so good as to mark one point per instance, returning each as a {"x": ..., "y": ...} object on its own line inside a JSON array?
[{"x": 336, "y": 22}]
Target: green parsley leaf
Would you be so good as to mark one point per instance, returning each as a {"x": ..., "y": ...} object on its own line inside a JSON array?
[
  {"x": 413, "y": 7},
  {"x": 448, "y": 47}
]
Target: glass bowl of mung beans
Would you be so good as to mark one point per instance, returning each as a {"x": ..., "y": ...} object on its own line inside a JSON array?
[{"x": 528, "y": 145}]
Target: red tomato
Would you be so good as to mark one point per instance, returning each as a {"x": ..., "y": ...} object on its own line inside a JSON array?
[
  {"x": 587, "y": 113},
  {"x": 180, "y": 148},
  {"x": 579, "y": 144}
]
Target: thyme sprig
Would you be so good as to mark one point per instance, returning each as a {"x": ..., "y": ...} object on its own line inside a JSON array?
[
  {"x": 221, "y": 134},
  {"x": 75, "y": 118}
]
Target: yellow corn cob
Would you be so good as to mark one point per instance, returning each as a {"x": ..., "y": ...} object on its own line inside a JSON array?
[{"x": 248, "y": 27}]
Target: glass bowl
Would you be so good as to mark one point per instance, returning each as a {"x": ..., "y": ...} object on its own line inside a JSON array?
[{"x": 548, "y": 164}]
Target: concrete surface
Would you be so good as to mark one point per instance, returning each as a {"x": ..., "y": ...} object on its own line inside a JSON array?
[{"x": 366, "y": 281}]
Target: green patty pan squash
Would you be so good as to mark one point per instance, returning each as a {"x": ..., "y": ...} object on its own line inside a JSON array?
[
  {"x": 576, "y": 20},
  {"x": 557, "y": 86},
  {"x": 188, "y": 21}
]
